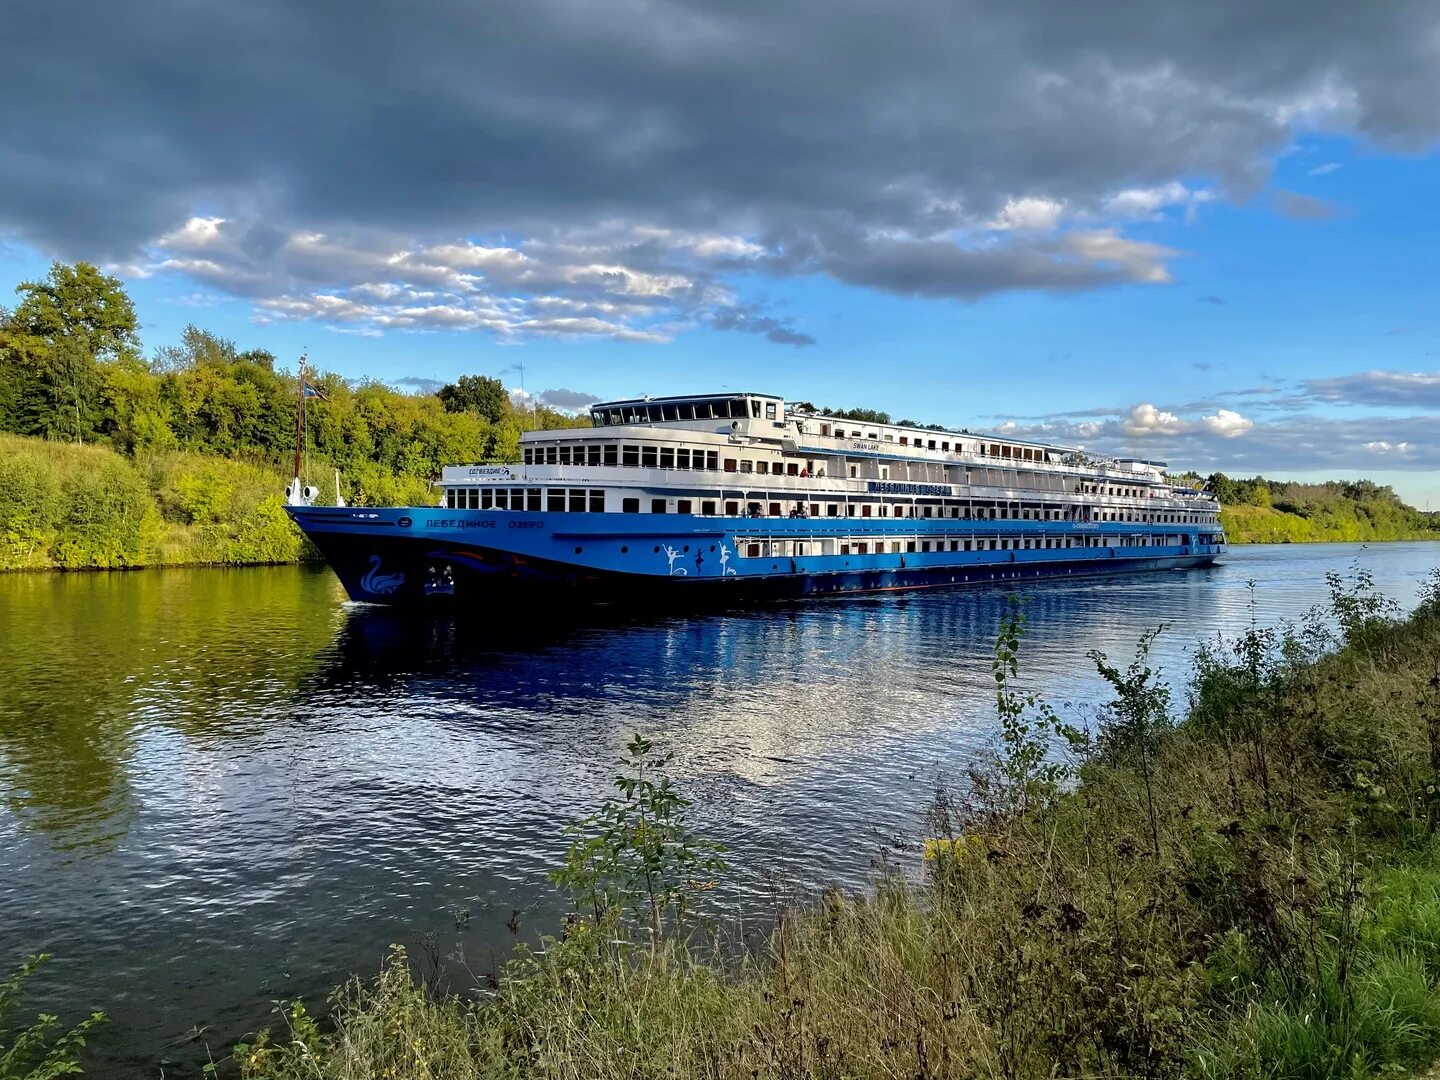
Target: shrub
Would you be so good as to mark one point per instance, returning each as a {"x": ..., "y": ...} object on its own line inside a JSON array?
[
  {"x": 109, "y": 519},
  {"x": 29, "y": 508}
]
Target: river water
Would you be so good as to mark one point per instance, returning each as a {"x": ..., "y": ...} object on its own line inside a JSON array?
[{"x": 219, "y": 788}]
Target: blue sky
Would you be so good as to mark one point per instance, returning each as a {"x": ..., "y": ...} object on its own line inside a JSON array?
[{"x": 1177, "y": 231}]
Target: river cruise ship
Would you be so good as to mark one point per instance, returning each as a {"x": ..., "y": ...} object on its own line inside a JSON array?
[{"x": 739, "y": 495}]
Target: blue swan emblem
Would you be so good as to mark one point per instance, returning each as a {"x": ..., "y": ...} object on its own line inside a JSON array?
[{"x": 379, "y": 584}]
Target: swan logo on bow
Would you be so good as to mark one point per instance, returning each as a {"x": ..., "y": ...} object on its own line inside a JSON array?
[{"x": 378, "y": 584}]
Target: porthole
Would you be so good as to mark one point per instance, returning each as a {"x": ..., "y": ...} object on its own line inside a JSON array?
[
  {"x": 624, "y": 550},
  {"x": 657, "y": 549},
  {"x": 687, "y": 547},
  {"x": 577, "y": 551}
]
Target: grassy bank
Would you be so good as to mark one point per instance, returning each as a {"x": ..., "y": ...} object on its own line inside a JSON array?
[
  {"x": 67, "y": 506},
  {"x": 1250, "y": 890}
]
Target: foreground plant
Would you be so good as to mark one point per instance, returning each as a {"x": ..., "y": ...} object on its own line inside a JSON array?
[
  {"x": 637, "y": 854},
  {"x": 43, "y": 1049}
]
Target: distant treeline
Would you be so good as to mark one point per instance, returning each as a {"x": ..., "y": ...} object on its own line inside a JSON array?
[
  {"x": 182, "y": 455},
  {"x": 1260, "y": 511}
]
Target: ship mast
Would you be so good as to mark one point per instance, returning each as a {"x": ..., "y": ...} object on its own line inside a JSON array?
[{"x": 300, "y": 419}]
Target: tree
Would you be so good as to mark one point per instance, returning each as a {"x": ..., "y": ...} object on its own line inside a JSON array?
[
  {"x": 64, "y": 327},
  {"x": 79, "y": 304},
  {"x": 476, "y": 393}
]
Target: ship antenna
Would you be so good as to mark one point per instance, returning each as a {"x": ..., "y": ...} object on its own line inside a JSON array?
[{"x": 300, "y": 417}]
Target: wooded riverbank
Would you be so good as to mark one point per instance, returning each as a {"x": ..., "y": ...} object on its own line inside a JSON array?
[{"x": 66, "y": 506}]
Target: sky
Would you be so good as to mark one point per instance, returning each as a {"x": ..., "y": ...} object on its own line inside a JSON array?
[{"x": 1203, "y": 233}]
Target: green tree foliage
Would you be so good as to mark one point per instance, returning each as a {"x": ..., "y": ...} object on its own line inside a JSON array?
[
  {"x": 206, "y": 431},
  {"x": 52, "y": 345},
  {"x": 476, "y": 393},
  {"x": 865, "y": 416},
  {"x": 1280, "y": 512}
]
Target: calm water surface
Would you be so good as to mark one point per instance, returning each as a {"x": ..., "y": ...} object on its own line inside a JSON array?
[{"x": 220, "y": 788}]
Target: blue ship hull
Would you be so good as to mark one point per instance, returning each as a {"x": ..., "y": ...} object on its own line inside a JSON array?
[{"x": 430, "y": 555}]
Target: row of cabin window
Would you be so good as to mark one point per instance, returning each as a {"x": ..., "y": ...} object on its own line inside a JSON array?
[
  {"x": 579, "y": 500},
  {"x": 776, "y": 548},
  {"x": 556, "y": 500},
  {"x": 977, "y": 513},
  {"x": 1122, "y": 490},
  {"x": 657, "y": 413},
  {"x": 648, "y": 457},
  {"x": 1000, "y": 450}
]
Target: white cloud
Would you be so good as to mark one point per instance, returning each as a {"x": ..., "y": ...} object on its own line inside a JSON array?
[
  {"x": 1227, "y": 424},
  {"x": 1029, "y": 213},
  {"x": 1146, "y": 419},
  {"x": 1139, "y": 204}
]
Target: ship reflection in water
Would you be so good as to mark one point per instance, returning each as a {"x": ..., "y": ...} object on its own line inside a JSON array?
[{"x": 220, "y": 788}]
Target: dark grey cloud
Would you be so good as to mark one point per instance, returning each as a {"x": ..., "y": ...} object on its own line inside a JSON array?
[
  {"x": 1419, "y": 390},
  {"x": 419, "y": 384},
  {"x": 569, "y": 400},
  {"x": 1303, "y": 207},
  {"x": 749, "y": 320},
  {"x": 944, "y": 148}
]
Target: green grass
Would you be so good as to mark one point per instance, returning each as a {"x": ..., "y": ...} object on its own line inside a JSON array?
[{"x": 64, "y": 506}]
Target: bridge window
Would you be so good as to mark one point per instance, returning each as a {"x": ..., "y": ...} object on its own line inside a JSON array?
[
  {"x": 597, "y": 502},
  {"x": 529, "y": 455},
  {"x": 592, "y": 454},
  {"x": 682, "y": 457},
  {"x": 502, "y": 499},
  {"x": 629, "y": 506},
  {"x": 649, "y": 457},
  {"x": 667, "y": 457},
  {"x": 762, "y": 467},
  {"x": 712, "y": 460},
  {"x": 631, "y": 455},
  {"x": 555, "y": 500},
  {"x": 565, "y": 455},
  {"x": 577, "y": 500},
  {"x": 611, "y": 454}
]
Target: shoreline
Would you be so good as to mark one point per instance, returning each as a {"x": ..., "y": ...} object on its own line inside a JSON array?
[{"x": 318, "y": 561}]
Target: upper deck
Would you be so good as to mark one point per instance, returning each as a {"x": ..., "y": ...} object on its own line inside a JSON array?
[{"x": 751, "y": 418}]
